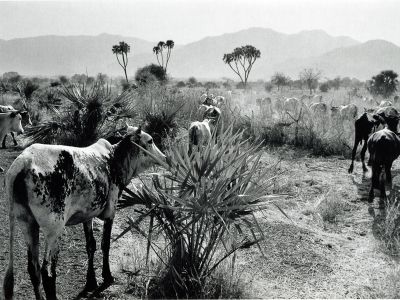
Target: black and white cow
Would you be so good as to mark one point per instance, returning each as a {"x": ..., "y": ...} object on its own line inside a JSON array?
[{"x": 53, "y": 186}]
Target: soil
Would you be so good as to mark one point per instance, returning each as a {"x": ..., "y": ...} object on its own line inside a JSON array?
[{"x": 304, "y": 256}]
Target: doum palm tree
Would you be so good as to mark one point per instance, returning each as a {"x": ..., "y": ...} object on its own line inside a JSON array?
[
  {"x": 158, "y": 51},
  {"x": 122, "y": 49}
]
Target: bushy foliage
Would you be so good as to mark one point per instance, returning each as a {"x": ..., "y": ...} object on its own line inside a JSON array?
[
  {"x": 204, "y": 207},
  {"x": 150, "y": 73},
  {"x": 324, "y": 87},
  {"x": 82, "y": 120},
  {"x": 383, "y": 84}
]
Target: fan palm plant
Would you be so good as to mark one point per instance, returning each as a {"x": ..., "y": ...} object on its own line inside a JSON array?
[
  {"x": 89, "y": 113},
  {"x": 205, "y": 207}
]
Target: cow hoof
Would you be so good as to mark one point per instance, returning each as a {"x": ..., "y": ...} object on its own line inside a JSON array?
[
  {"x": 350, "y": 170},
  {"x": 90, "y": 286},
  {"x": 109, "y": 280}
]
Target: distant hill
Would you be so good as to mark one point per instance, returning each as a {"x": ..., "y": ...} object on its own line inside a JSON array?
[
  {"x": 360, "y": 61},
  {"x": 288, "y": 53}
]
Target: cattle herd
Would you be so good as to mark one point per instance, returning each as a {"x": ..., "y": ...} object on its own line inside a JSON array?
[{"x": 53, "y": 186}]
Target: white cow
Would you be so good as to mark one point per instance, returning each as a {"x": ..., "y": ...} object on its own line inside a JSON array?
[
  {"x": 53, "y": 186},
  {"x": 10, "y": 122},
  {"x": 26, "y": 120},
  {"x": 345, "y": 112}
]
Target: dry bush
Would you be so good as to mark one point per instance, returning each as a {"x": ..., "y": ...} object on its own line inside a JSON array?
[{"x": 330, "y": 206}]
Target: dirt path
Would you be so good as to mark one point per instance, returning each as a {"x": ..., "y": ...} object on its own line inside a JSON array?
[{"x": 306, "y": 257}]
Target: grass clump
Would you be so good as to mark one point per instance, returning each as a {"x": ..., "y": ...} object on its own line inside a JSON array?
[{"x": 330, "y": 206}]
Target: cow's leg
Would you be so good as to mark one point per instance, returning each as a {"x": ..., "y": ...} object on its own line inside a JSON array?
[
  {"x": 382, "y": 190},
  {"x": 30, "y": 229},
  {"x": 50, "y": 257},
  {"x": 3, "y": 135},
  {"x": 3, "y": 144},
  {"x": 91, "y": 282},
  {"x": 376, "y": 173},
  {"x": 14, "y": 140},
  {"x": 362, "y": 154},
  {"x": 105, "y": 247},
  {"x": 388, "y": 167},
  {"x": 353, "y": 154}
]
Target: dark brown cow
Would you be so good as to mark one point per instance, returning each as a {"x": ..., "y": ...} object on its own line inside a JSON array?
[{"x": 384, "y": 148}]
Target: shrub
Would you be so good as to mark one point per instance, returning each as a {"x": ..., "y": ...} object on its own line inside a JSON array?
[
  {"x": 150, "y": 73},
  {"x": 210, "y": 85},
  {"x": 204, "y": 207},
  {"x": 324, "y": 87},
  {"x": 268, "y": 87},
  {"x": 180, "y": 84},
  {"x": 161, "y": 125},
  {"x": 84, "y": 119}
]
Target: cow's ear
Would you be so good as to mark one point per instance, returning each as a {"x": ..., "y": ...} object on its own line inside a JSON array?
[{"x": 139, "y": 130}]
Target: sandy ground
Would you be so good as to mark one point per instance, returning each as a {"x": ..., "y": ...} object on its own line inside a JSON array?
[{"x": 305, "y": 257}]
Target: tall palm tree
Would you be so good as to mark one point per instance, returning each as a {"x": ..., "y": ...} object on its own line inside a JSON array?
[
  {"x": 158, "y": 50},
  {"x": 169, "y": 45},
  {"x": 122, "y": 49}
]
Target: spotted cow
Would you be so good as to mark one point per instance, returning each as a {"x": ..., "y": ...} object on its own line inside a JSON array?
[{"x": 53, "y": 186}]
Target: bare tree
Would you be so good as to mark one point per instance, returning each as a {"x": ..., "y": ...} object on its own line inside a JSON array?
[
  {"x": 122, "y": 49},
  {"x": 310, "y": 77},
  {"x": 241, "y": 60}
]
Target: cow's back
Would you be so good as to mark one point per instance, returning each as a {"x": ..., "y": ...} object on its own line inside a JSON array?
[
  {"x": 67, "y": 182},
  {"x": 384, "y": 145}
]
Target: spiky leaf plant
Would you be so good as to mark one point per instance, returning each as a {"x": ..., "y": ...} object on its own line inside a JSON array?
[
  {"x": 90, "y": 112},
  {"x": 205, "y": 207}
]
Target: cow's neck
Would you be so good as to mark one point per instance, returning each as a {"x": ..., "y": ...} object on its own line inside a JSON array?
[{"x": 124, "y": 162}]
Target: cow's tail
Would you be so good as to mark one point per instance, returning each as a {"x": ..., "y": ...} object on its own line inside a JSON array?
[
  {"x": 8, "y": 284},
  {"x": 193, "y": 138}
]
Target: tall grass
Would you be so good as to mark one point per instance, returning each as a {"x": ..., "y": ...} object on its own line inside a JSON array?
[{"x": 204, "y": 207}]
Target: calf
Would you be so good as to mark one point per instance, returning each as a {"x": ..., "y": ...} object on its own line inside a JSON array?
[
  {"x": 384, "y": 148},
  {"x": 200, "y": 133},
  {"x": 26, "y": 120},
  {"x": 10, "y": 122},
  {"x": 53, "y": 186}
]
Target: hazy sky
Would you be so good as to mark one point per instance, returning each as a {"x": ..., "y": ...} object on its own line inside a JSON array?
[{"x": 189, "y": 20}]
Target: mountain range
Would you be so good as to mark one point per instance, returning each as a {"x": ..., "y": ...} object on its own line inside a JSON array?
[{"x": 288, "y": 53}]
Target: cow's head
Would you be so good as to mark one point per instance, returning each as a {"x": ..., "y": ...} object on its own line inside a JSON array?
[
  {"x": 213, "y": 113},
  {"x": 147, "y": 152},
  {"x": 15, "y": 119}
]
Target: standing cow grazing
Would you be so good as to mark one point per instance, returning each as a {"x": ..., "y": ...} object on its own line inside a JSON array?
[{"x": 53, "y": 186}]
